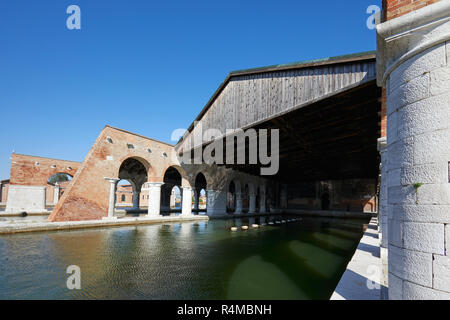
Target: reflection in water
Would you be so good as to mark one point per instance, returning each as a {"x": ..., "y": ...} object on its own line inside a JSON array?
[{"x": 199, "y": 260}]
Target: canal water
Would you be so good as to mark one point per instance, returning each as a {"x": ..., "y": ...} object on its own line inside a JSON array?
[{"x": 202, "y": 260}]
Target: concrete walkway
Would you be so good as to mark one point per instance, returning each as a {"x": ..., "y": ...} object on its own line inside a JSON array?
[
  {"x": 33, "y": 226},
  {"x": 361, "y": 279}
]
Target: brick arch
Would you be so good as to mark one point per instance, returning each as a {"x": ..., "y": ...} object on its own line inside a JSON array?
[
  {"x": 142, "y": 160},
  {"x": 185, "y": 178},
  {"x": 237, "y": 185},
  {"x": 87, "y": 198},
  {"x": 59, "y": 172},
  {"x": 196, "y": 179}
]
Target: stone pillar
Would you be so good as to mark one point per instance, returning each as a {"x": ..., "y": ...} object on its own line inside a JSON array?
[
  {"x": 251, "y": 203},
  {"x": 383, "y": 217},
  {"x": 112, "y": 197},
  {"x": 154, "y": 198},
  {"x": 238, "y": 209},
  {"x": 196, "y": 199},
  {"x": 136, "y": 196},
  {"x": 414, "y": 66},
  {"x": 186, "y": 209},
  {"x": 216, "y": 202},
  {"x": 383, "y": 201},
  {"x": 56, "y": 193},
  {"x": 262, "y": 199}
]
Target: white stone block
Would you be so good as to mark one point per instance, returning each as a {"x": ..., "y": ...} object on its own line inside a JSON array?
[
  {"x": 441, "y": 271},
  {"x": 435, "y": 173},
  {"x": 395, "y": 232},
  {"x": 393, "y": 177},
  {"x": 432, "y": 147},
  {"x": 401, "y": 195},
  {"x": 423, "y": 116},
  {"x": 433, "y": 194},
  {"x": 30, "y": 199},
  {"x": 424, "y": 237},
  {"x": 425, "y": 213},
  {"x": 408, "y": 93},
  {"x": 400, "y": 153},
  {"x": 440, "y": 81},
  {"x": 392, "y": 127},
  {"x": 412, "y": 291},
  {"x": 393, "y": 212},
  {"x": 426, "y": 61},
  {"x": 395, "y": 287},
  {"x": 411, "y": 265}
]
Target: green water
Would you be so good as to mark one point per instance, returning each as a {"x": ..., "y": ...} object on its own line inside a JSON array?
[{"x": 201, "y": 260}]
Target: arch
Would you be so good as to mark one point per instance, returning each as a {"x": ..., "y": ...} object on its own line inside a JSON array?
[
  {"x": 175, "y": 198},
  {"x": 236, "y": 183},
  {"x": 172, "y": 176},
  {"x": 172, "y": 189},
  {"x": 183, "y": 174},
  {"x": 126, "y": 193},
  {"x": 143, "y": 161},
  {"x": 200, "y": 181},
  {"x": 135, "y": 171},
  {"x": 200, "y": 186},
  {"x": 59, "y": 177}
]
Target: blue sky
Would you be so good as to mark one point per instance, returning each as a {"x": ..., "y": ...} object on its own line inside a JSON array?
[{"x": 146, "y": 66}]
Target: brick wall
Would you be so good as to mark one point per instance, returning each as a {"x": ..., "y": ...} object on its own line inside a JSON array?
[
  {"x": 88, "y": 195},
  {"x": 396, "y": 8},
  {"x": 35, "y": 171}
]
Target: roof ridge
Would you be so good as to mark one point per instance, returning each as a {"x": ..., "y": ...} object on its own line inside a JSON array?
[{"x": 306, "y": 62}]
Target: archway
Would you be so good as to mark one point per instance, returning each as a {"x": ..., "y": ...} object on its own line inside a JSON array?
[
  {"x": 171, "y": 195},
  {"x": 58, "y": 183},
  {"x": 124, "y": 194},
  {"x": 132, "y": 175},
  {"x": 200, "y": 194},
  {"x": 59, "y": 178}
]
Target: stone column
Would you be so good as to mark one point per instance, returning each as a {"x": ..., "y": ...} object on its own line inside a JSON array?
[
  {"x": 196, "y": 199},
  {"x": 414, "y": 66},
  {"x": 154, "y": 198},
  {"x": 262, "y": 205},
  {"x": 112, "y": 197},
  {"x": 238, "y": 209},
  {"x": 383, "y": 217},
  {"x": 56, "y": 193},
  {"x": 216, "y": 202},
  {"x": 383, "y": 201},
  {"x": 251, "y": 203},
  {"x": 186, "y": 209},
  {"x": 136, "y": 197}
]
